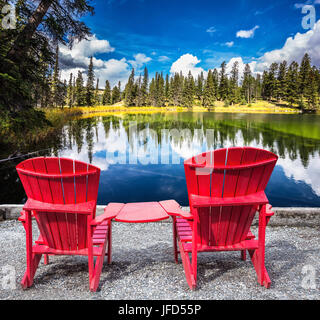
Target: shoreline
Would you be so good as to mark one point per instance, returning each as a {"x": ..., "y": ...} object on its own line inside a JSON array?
[
  {"x": 101, "y": 110},
  {"x": 290, "y": 216}
]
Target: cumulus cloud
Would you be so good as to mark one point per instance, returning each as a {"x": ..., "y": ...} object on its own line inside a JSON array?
[
  {"x": 247, "y": 33},
  {"x": 241, "y": 66},
  {"x": 78, "y": 56},
  {"x": 187, "y": 63},
  {"x": 140, "y": 59},
  {"x": 294, "y": 49},
  {"x": 114, "y": 70}
]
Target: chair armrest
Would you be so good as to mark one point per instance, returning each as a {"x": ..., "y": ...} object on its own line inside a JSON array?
[
  {"x": 258, "y": 198},
  {"x": 22, "y": 217},
  {"x": 80, "y": 208},
  {"x": 269, "y": 212},
  {"x": 173, "y": 209},
  {"x": 110, "y": 212}
]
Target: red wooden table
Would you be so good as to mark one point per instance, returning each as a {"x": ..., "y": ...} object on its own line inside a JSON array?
[{"x": 145, "y": 212}]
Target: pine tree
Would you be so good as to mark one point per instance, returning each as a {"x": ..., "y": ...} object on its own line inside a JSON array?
[
  {"x": 167, "y": 89},
  {"x": 247, "y": 83},
  {"x": 234, "y": 81},
  {"x": 188, "y": 91},
  {"x": 130, "y": 91},
  {"x": 292, "y": 83},
  {"x": 116, "y": 95},
  {"x": 215, "y": 79},
  {"x": 96, "y": 94},
  {"x": 55, "y": 80},
  {"x": 209, "y": 97},
  {"x": 138, "y": 99},
  {"x": 144, "y": 88},
  {"x": 281, "y": 89},
  {"x": 70, "y": 92},
  {"x": 311, "y": 91},
  {"x": 304, "y": 74},
  {"x": 223, "y": 85},
  {"x": 106, "y": 98},
  {"x": 160, "y": 93},
  {"x": 199, "y": 87},
  {"x": 80, "y": 97},
  {"x": 90, "y": 85},
  {"x": 176, "y": 89}
]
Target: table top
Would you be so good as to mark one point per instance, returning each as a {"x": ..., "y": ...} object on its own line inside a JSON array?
[{"x": 142, "y": 213}]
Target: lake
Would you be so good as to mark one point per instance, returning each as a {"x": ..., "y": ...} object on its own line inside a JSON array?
[{"x": 141, "y": 155}]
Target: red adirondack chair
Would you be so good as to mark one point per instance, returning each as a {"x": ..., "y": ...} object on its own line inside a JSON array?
[
  {"x": 226, "y": 189},
  {"x": 62, "y": 197}
]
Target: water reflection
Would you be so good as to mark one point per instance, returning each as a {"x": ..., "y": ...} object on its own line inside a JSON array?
[{"x": 141, "y": 155}]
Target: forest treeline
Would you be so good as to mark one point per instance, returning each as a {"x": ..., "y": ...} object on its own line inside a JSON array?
[
  {"x": 30, "y": 75},
  {"x": 297, "y": 85}
]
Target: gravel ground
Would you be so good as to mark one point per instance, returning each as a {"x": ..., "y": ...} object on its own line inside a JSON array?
[{"x": 143, "y": 268}]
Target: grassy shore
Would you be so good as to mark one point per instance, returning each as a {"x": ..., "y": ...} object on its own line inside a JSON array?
[{"x": 257, "y": 107}]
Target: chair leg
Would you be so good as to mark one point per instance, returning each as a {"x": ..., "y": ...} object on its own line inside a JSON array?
[
  {"x": 46, "y": 259},
  {"x": 258, "y": 255},
  {"x": 175, "y": 246},
  {"x": 258, "y": 263},
  {"x": 243, "y": 255},
  {"x": 188, "y": 270},
  {"x": 94, "y": 283},
  {"x": 110, "y": 243},
  {"x": 28, "y": 277}
]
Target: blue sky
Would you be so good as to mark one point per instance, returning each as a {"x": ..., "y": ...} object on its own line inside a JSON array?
[{"x": 157, "y": 33}]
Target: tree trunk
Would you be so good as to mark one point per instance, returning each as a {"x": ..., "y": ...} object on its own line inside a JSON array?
[{"x": 20, "y": 46}]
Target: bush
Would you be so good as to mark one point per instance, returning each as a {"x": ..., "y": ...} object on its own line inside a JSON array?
[{"x": 243, "y": 102}]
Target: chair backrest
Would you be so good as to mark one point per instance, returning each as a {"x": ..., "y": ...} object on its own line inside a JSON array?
[
  {"x": 227, "y": 173},
  {"x": 60, "y": 181}
]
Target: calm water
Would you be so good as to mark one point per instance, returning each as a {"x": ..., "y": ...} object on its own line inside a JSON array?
[{"x": 141, "y": 160}]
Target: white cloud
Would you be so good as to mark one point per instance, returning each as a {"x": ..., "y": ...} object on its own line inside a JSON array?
[
  {"x": 87, "y": 48},
  {"x": 211, "y": 30},
  {"x": 163, "y": 59},
  {"x": 186, "y": 63},
  {"x": 229, "y": 44},
  {"x": 241, "y": 66},
  {"x": 140, "y": 59},
  {"x": 247, "y": 33},
  {"x": 310, "y": 175},
  {"x": 114, "y": 70},
  {"x": 78, "y": 58},
  {"x": 294, "y": 49}
]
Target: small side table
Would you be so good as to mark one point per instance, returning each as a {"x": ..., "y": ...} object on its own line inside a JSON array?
[{"x": 142, "y": 213}]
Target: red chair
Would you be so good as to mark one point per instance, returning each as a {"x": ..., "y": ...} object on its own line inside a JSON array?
[
  {"x": 226, "y": 189},
  {"x": 62, "y": 197}
]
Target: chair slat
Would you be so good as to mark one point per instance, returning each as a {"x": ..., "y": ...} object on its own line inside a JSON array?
[
  {"x": 33, "y": 181},
  {"x": 81, "y": 196},
  {"x": 53, "y": 167},
  {"x": 67, "y": 166},
  {"x": 40, "y": 167}
]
